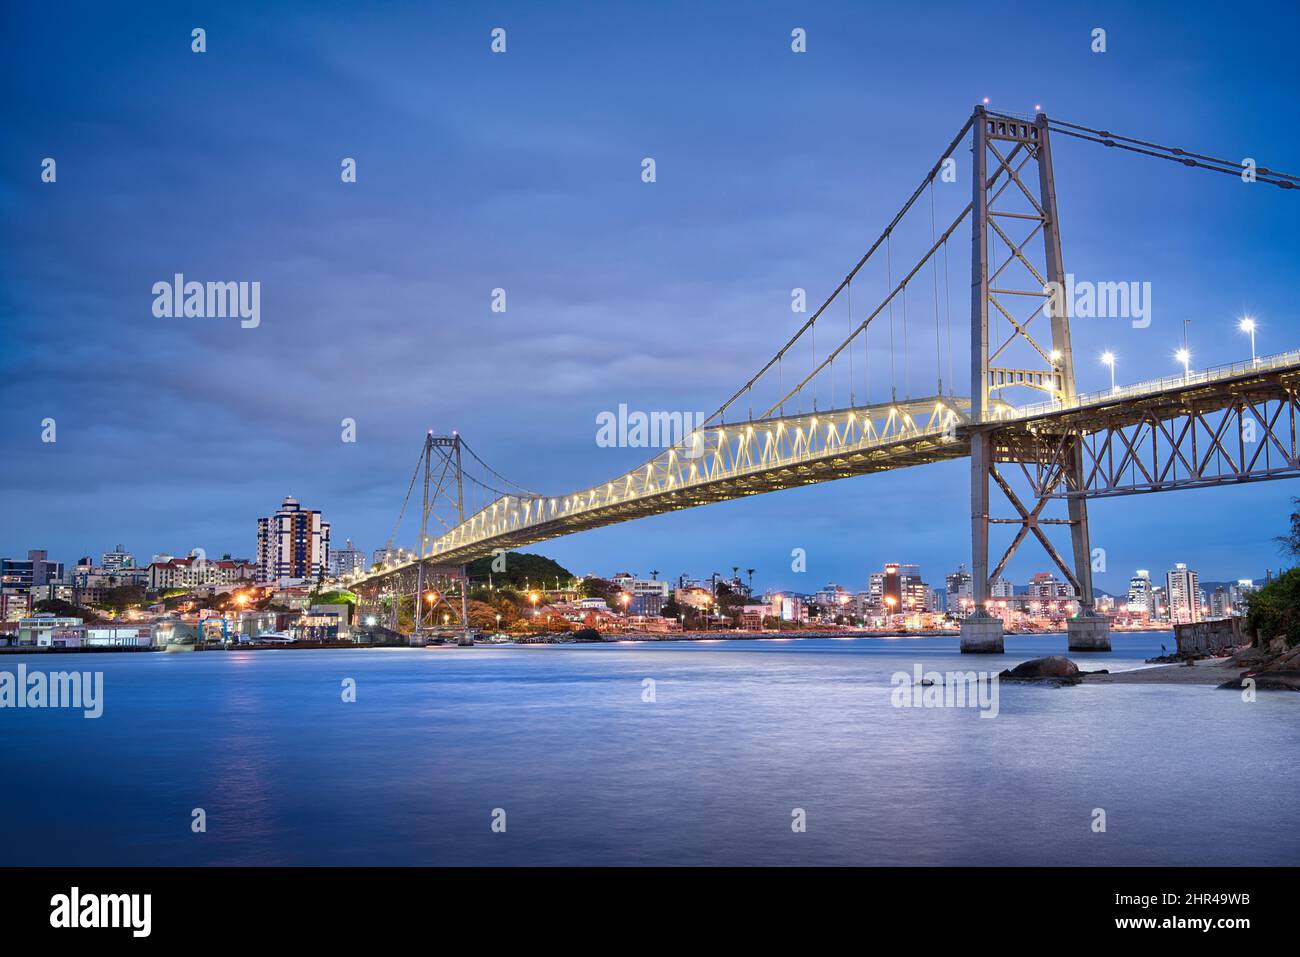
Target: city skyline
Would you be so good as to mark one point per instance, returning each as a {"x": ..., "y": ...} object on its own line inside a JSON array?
[
  {"x": 619, "y": 292},
  {"x": 123, "y": 559}
]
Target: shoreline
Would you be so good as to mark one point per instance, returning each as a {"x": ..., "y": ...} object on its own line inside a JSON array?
[
  {"x": 1206, "y": 671},
  {"x": 562, "y": 638}
]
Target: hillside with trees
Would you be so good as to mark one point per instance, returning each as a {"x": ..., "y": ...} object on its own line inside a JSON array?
[{"x": 522, "y": 570}]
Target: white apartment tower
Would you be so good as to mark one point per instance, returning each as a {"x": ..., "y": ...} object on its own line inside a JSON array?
[
  {"x": 1141, "y": 596},
  {"x": 293, "y": 546},
  {"x": 1183, "y": 587}
]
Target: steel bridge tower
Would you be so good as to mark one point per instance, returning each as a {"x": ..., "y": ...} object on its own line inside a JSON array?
[
  {"x": 435, "y": 585},
  {"x": 1007, "y": 200}
]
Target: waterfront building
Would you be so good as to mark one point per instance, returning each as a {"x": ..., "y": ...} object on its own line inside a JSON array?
[
  {"x": 1183, "y": 589},
  {"x": 347, "y": 560},
  {"x": 1046, "y": 585},
  {"x": 293, "y": 545},
  {"x": 51, "y": 631},
  {"x": 898, "y": 589},
  {"x": 118, "y": 636},
  {"x": 1160, "y": 602},
  {"x": 792, "y": 608},
  {"x": 693, "y": 596},
  {"x": 999, "y": 587},
  {"x": 833, "y": 601},
  {"x": 960, "y": 592},
  {"x": 1141, "y": 594}
]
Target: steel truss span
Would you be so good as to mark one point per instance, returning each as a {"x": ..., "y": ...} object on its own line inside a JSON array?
[{"x": 1220, "y": 432}]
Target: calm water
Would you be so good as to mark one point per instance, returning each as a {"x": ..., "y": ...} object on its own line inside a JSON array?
[{"x": 558, "y": 736}]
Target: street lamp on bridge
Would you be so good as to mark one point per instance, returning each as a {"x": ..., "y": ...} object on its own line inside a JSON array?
[
  {"x": 1247, "y": 324},
  {"x": 1185, "y": 357},
  {"x": 1108, "y": 359}
]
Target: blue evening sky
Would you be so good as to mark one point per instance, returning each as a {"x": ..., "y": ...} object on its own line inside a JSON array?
[{"x": 522, "y": 171}]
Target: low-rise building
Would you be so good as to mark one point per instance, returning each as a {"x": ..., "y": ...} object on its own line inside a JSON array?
[
  {"x": 51, "y": 631},
  {"x": 197, "y": 572},
  {"x": 119, "y": 636}
]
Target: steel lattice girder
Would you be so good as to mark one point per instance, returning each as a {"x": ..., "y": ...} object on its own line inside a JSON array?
[{"x": 1210, "y": 434}]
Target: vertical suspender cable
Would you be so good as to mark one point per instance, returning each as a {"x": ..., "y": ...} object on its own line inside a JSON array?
[
  {"x": 907, "y": 380},
  {"x": 889, "y": 284},
  {"x": 934, "y": 263},
  {"x": 947, "y": 312},
  {"x": 853, "y": 384}
]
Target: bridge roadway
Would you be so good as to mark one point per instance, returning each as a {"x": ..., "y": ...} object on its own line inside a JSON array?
[{"x": 728, "y": 461}]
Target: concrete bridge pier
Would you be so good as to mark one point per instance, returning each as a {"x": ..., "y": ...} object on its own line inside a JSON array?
[
  {"x": 466, "y": 640},
  {"x": 1088, "y": 632},
  {"x": 981, "y": 634}
]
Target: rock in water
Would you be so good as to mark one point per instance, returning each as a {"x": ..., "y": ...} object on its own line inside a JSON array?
[
  {"x": 1056, "y": 666},
  {"x": 1268, "y": 681}
]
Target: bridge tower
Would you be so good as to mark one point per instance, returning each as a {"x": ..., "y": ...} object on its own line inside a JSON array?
[
  {"x": 444, "y": 500},
  {"x": 1010, "y": 209}
]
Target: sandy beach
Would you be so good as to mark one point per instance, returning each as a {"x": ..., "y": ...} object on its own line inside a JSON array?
[{"x": 1207, "y": 671}]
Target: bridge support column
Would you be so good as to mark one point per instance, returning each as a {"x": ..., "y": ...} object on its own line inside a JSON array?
[
  {"x": 981, "y": 634},
  {"x": 1088, "y": 632}
]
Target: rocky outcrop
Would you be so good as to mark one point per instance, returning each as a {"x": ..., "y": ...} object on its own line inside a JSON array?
[
  {"x": 1286, "y": 659},
  {"x": 1267, "y": 681},
  {"x": 1056, "y": 669},
  {"x": 1275, "y": 667}
]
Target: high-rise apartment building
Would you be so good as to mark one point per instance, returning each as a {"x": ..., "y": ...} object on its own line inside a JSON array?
[
  {"x": 1183, "y": 591},
  {"x": 293, "y": 546},
  {"x": 346, "y": 560},
  {"x": 1240, "y": 593},
  {"x": 961, "y": 591},
  {"x": 1141, "y": 595},
  {"x": 898, "y": 589}
]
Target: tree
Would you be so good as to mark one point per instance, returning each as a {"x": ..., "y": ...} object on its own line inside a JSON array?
[
  {"x": 520, "y": 568},
  {"x": 65, "y": 609},
  {"x": 122, "y": 597},
  {"x": 337, "y": 597},
  {"x": 601, "y": 588},
  {"x": 1274, "y": 610},
  {"x": 1290, "y": 542}
]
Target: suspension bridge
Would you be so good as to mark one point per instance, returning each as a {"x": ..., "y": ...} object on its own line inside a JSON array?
[{"x": 1039, "y": 460}]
